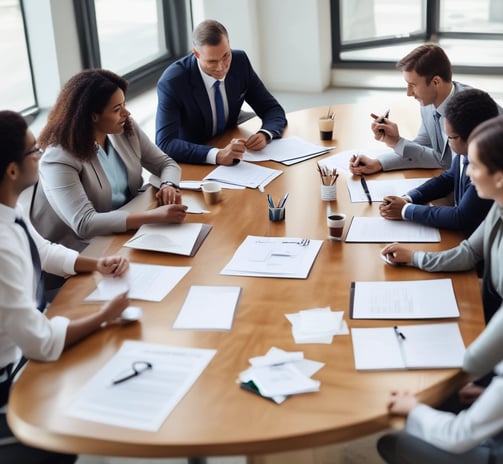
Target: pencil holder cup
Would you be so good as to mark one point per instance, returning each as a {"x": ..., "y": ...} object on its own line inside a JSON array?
[
  {"x": 277, "y": 214},
  {"x": 328, "y": 192}
]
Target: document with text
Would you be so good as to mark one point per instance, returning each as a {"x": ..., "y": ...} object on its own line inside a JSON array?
[
  {"x": 245, "y": 174},
  {"x": 427, "y": 346},
  {"x": 414, "y": 299},
  {"x": 286, "y": 257},
  {"x": 117, "y": 396},
  {"x": 376, "y": 229}
]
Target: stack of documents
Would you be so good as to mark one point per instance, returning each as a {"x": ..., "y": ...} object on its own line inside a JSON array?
[
  {"x": 244, "y": 174},
  {"x": 180, "y": 239},
  {"x": 428, "y": 346},
  {"x": 317, "y": 325},
  {"x": 376, "y": 229},
  {"x": 285, "y": 257},
  {"x": 287, "y": 150},
  {"x": 280, "y": 374},
  {"x": 415, "y": 299}
]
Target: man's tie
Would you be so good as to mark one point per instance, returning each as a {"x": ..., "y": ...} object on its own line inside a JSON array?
[
  {"x": 219, "y": 107},
  {"x": 438, "y": 133},
  {"x": 37, "y": 267},
  {"x": 462, "y": 177}
]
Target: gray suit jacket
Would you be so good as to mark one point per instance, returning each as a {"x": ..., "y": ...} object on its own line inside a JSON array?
[
  {"x": 419, "y": 153},
  {"x": 72, "y": 202}
]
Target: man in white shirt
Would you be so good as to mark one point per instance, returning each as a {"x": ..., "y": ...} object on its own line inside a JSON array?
[{"x": 24, "y": 329}]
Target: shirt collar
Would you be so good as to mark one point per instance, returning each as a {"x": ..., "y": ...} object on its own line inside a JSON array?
[{"x": 207, "y": 79}]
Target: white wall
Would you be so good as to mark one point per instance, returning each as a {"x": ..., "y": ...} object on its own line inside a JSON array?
[{"x": 288, "y": 42}]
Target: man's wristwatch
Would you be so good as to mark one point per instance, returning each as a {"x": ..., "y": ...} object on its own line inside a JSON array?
[{"x": 169, "y": 183}]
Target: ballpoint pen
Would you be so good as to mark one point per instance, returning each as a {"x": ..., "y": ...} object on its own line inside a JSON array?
[
  {"x": 269, "y": 200},
  {"x": 365, "y": 188},
  {"x": 283, "y": 200},
  {"x": 398, "y": 333}
]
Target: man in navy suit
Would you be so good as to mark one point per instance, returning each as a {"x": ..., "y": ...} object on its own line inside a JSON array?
[
  {"x": 191, "y": 110},
  {"x": 463, "y": 113},
  {"x": 428, "y": 74}
]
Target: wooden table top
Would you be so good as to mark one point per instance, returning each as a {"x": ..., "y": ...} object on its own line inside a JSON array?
[{"x": 216, "y": 417}]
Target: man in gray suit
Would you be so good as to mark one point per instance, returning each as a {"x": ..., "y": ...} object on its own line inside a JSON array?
[{"x": 427, "y": 71}]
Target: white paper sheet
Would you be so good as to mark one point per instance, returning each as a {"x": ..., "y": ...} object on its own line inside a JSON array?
[
  {"x": 244, "y": 174},
  {"x": 380, "y": 188},
  {"x": 427, "y": 346},
  {"x": 208, "y": 307},
  {"x": 273, "y": 257},
  {"x": 380, "y": 230},
  {"x": 147, "y": 282},
  {"x": 415, "y": 299},
  {"x": 142, "y": 402},
  {"x": 286, "y": 149}
]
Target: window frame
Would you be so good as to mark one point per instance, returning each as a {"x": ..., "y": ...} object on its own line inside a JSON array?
[
  {"x": 431, "y": 33},
  {"x": 176, "y": 17}
]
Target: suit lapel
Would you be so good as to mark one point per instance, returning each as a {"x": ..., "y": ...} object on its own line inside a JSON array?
[{"x": 201, "y": 97}]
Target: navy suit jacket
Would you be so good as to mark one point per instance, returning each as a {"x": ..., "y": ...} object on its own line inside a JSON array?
[
  {"x": 468, "y": 211},
  {"x": 184, "y": 122}
]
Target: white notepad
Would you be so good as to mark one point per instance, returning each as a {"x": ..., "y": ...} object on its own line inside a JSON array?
[{"x": 426, "y": 346}]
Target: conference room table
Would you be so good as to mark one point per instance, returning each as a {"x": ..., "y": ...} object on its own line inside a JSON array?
[{"x": 216, "y": 417}]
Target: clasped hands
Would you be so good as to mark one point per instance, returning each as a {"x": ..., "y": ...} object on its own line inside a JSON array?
[{"x": 234, "y": 151}]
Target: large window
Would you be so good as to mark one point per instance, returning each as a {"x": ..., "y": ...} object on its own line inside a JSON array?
[
  {"x": 16, "y": 89},
  {"x": 382, "y": 31},
  {"x": 134, "y": 38}
]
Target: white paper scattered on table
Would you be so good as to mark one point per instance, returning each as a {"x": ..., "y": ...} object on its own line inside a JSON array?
[
  {"x": 142, "y": 402},
  {"x": 244, "y": 174},
  {"x": 317, "y": 325},
  {"x": 273, "y": 257},
  {"x": 279, "y": 374},
  {"x": 380, "y": 188},
  {"x": 286, "y": 149},
  {"x": 426, "y": 346},
  {"x": 380, "y": 230},
  {"x": 208, "y": 307},
  {"x": 414, "y": 299},
  {"x": 147, "y": 282}
]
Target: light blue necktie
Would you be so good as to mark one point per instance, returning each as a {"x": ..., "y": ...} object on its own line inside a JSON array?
[
  {"x": 219, "y": 107},
  {"x": 438, "y": 133}
]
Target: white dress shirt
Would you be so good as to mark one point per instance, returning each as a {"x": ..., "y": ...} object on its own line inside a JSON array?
[{"x": 24, "y": 329}]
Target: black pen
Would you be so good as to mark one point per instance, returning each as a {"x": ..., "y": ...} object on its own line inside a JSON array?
[
  {"x": 365, "y": 188},
  {"x": 398, "y": 333}
]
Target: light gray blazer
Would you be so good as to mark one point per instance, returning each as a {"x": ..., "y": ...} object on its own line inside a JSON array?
[
  {"x": 419, "y": 153},
  {"x": 72, "y": 202}
]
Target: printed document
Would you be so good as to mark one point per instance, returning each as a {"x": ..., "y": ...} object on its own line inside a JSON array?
[
  {"x": 416, "y": 299},
  {"x": 145, "y": 400},
  {"x": 273, "y": 257},
  {"x": 428, "y": 346},
  {"x": 380, "y": 230}
]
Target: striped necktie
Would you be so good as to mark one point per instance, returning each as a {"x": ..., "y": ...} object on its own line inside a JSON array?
[
  {"x": 37, "y": 267},
  {"x": 219, "y": 107}
]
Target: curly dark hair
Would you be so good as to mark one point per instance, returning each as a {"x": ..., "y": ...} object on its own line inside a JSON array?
[
  {"x": 427, "y": 60},
  {"x": 13, "y": 128},
  {"x": 70, "y": 121}
]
